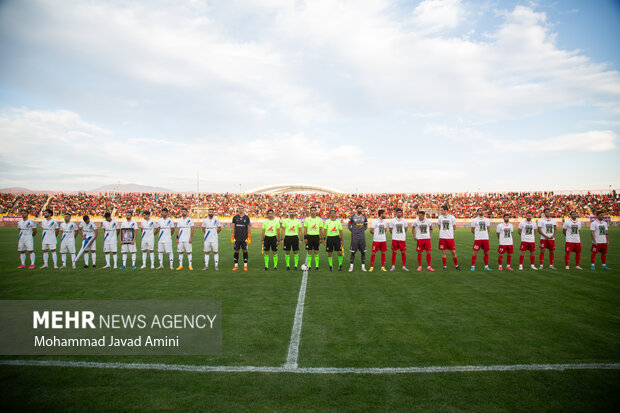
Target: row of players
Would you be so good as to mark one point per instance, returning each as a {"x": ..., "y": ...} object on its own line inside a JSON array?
[{"x": 315, "y": 232}]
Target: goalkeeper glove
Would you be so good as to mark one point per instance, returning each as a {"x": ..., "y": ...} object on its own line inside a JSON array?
[{"x": 249, "y": 239}]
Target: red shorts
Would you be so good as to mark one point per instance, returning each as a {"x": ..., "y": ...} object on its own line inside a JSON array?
[
  {"x": 573, "y": 247},
  {"x": 527, "y": 246},
  {"x": 482, "y": 244},
  {"x": 446, "y": 244},
  {"x": 602, "y": 248},
  {"x": 399, "y": 245},
  {"x": 379, "y": 246},
  {"x": 509, "y": 249},
  {"x": 548, "y": 244},
  {"x": 424, "y": 245}
]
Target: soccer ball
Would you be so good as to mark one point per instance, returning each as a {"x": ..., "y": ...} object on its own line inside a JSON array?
[{"x": 304, "y": 267}]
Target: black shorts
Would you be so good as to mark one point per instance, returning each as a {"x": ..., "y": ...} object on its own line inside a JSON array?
[
  {"x": 241, "y": 245},
  {"x": 358, "y": 245},
  {"x": 271, "y": 243},
  {"x": 291, "y": 242},
  {"x": 333, "y": 244},
  {"x": 313, "y": 242}
]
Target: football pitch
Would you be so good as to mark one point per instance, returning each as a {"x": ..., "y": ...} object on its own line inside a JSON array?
[{"x": 339, "y": 341}]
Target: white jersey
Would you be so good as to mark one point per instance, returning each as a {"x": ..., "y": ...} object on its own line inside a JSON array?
[
  {"x": 25, "y": 229},
  {"x": 165, "y": 225},
  {"x": 109, "y": 231},
  {"x": 505, "y": 233},
  {"x": 379, "y": 226},
  {"x": 49, "y": 231},
  {"x": 422, "y": 228},
  {"x": 68, "y": 231},
  {"x": 211, "y": 225},
  {"x": 547, "y": 225},
  {"x": 399, "y": 229},
  {"x": 446, "y": 226},
  {"x": 572, "y": 231},
  {"x": 88, "y": 230},
  {"x": 600, "y": 229},
  {"x": 185, "y": 228},
  {"x": 132, "y": 225},
  {"x": 528, "y": 233},
  {"x": 481, "y": 226},
  {"x": 148, "y": 230}
]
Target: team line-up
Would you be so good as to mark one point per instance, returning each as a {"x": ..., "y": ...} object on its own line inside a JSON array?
[{"x": 314, "y": 231}]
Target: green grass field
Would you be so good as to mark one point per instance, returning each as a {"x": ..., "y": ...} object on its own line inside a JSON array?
[{"x": 379, "y": 319}]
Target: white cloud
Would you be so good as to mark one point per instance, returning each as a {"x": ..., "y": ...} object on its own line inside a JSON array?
[
  {"x": 432, "y": 16},
  {"x": 591, "y": 141}
]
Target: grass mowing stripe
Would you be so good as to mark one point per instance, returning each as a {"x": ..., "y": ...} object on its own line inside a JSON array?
[
  {"x": 313, "y": 370},
  {"x": 293, "y": 348}
]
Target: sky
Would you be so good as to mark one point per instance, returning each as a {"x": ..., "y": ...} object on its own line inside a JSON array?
[{"x": 360, "y": 95}]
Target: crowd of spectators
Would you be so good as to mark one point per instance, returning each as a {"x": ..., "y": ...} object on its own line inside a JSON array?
[{"x": 256, "y": 205}]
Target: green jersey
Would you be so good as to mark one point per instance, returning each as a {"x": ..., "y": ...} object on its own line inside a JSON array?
[
  {"x": 271, "y": 227},
  {"x": 291, "y": 226},
  {"x": 333, "y": 228},
  {"x": 313, "y": 225}
]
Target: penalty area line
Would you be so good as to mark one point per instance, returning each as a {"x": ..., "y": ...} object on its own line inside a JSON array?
[{"x": 312, "y": 370}]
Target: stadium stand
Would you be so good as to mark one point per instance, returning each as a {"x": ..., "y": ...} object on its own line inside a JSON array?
[{"x": 256, "y": 205}]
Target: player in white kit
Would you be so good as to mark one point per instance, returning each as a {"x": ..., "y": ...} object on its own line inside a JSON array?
[
  {"x": 147, "y": 227},
  {"x": 378, "y": 229},
  {"x": 164, "y": 232},
  {"x": 527, "y": 230},
  {"x": 111, "y": 230},
  {"x": 398, "y": 229},
  {"x": 571, "y": 230},
  {"x": 480, "y": 228},
  {"x": 27, "y": 229},
  {"x": 599, "y": 230},
  {"x": 422, "y": 229},
  {"x": 506, "y": 245},
  {"x": 49, "y": 228},
  {"x": 211, "y": 227},
  {"x": 69, "y": 231},
  {"x": 185, "y": 236},
  {"x": 446, "y": 223},
  {"x": 88, "y": 229},
  {"x": 129, "y": 247},
  {"x": 547, "y": 228}
]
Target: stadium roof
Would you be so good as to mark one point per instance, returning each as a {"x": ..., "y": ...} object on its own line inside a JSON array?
[{"x": 286, "y": 188}]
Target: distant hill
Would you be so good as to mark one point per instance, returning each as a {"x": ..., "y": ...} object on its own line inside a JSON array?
[{"x": 129, "y": 188}]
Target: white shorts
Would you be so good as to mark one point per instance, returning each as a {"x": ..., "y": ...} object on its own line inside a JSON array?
[
  {"x": 210, "y": 246},
  {"x": 92, "y": 247},
  {"x": 25, "y": 245},
  {"x": 147, "y": 244},
  {"x": 110, "y": 247},
  {"x": 48, "y": 246},
  {"x": 184, "y": 247},
  {"x": 164, "y": 247},
  {"x": 128, "y": 248},
  {"x": 67, "y": 246}
]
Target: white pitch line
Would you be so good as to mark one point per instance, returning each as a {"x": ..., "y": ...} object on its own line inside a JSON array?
[
  {"x": 293, "y": 347},
  {"x": 312, "y": 370}
]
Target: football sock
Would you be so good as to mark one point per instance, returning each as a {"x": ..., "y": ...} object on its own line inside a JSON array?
[
  {"x": 152, "y": 256},
  {"x": 473, "y": 260},
  {"x": 266, "y": 260},
  {"x": 604, "y": 259},
  {"x": 521, "y": 259},
  {"x": 287, "y": 259},
  {"x": 566, "y": 259},
  {"x": 532, "y": 259},
  {"x": 419, "y": 260},
  {"x": 54, "y": 258},
  {"x": 245, "y": 258},
  {"x": 428, "y": 260},
  {"x": 133, "y": 259},
  {"x": 372, "y": 260},
  {"x": 236, "y": 256},
  {"x": 93, "y": 257},
  {"x": 363, "y": 257},
  {"x": 72, "y": 256},
  {"x": 32, "y": 258},
  {"x": 107, "y": 259},
  {"x": 551, "y": 258},
  {"x": 404, "y": 258},
  {"x": 296, "y": 260},
  {"x": 383, "y": 256},
  {"x": 577, "y": 258},
  {"x": 593, "y": 258},
  {"x": 486, "y": 260},
  {"x": 144, "y": 258},
  {"x": 115, "y": 259},
  {"x": 275, "y": 260},
  {"x": 316, "y": 260},
  {"x": 444, "y": 260},
  {"x": 340, "y": 259},
  {"x": 393, "y": 258},
  {"x": 63, "y": 259},
  {"x": 456, "y": 261},
  {"x": 541, "y": 258},
  {"x": 45, "y": 258},
  {"x": 160, "y": 255},
  {"x": 500, "y": 259},
  {"x": 509, "y": 259},
  {"x": 352, "y": 257},
  {"x": 85, "y": 258},
  {"x": 124, "y": 259},
  {"x": 189, "y": 259},
  {"x": 22, "y": 258},
  {"x": 329, "y": 261},
  {"x": 216, "y": 258}
]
